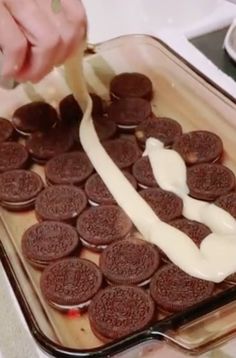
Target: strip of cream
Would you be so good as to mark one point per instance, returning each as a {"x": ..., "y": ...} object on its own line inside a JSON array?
[
  {"x": 178, "y": 247},
  {"x": 170, "y": 173}
]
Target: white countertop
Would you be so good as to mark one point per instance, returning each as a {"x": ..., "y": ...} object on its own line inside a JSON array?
[{"x": 172, "y": 21}]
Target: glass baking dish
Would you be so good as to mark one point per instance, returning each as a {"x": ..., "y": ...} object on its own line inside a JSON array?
[{"x": 181, "y": 92}]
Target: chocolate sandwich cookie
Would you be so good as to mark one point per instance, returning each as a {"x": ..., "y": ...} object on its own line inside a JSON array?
[
  {"x": 97, "y": 109},
  {"x": 199, "y": 147},
  {"x": 142, "y": 171},
  {"x": 13, "y": 156},
  {"x": 34, "y": 117},
  {"x": 209, "y": 181},
  {"x": 123, "y": 152},
  {"x": 164, "y": 129},
  {"x": 71, "y": 112},
  {"x": 105, "y": 129},
  {"x": 70, "y": 283},
  {"x": 101, "y": 225},
  {"x": 231, "y": 279},
  {"x": 165, "y": 204},
  {"x": 127, "y": 113},
  {"x": 97, "y": 191},
  {"x": 6, "y": 130},
  {"x": 49, "y": 241},
  {"x": 195, "y": 230},
  {"x": 228, "y": 202},
  {"x": 118, "y": 311},
  {"x": 19, "y": 189},
  {"x": 68, "y": 168},
  {"x": 44, "y": 146},
  {"x": 173, "y": 290},
  {"x": 60, "y": 203},
  {"x": 131, "y": 84},
  {"x": 129, "y": 262}
]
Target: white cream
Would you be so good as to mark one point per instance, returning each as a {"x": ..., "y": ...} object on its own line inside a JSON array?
[
  {"x": 176, "y": 245},
  {"x": 128, "y": 127},
  {"x": 168, "y": 167},
  {"x": 217, "y": 219},
  {"x": 78, "y": 307},
  {"x": 170, "y": 173}
]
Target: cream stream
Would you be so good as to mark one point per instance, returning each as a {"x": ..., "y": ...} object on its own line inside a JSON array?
[
  {"x": 213, "y": 262},
  {"x": 170, "y": 173}
]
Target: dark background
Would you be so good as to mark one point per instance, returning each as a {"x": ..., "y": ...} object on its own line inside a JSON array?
[{"x": 211, "y": 45}]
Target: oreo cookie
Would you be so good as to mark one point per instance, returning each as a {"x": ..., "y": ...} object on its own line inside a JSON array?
[
  {"x": 70, "y": 283},
  {"x": 60, "y": 203},
  {"x": 118, "y": 311},
  {"x": 174, "y": 291},
  {"x": 68, "y": 168},
  {"x": 164, "y": 129},
  {"x": 6, "y": 130},
  {"x": 127, "y": 113},
  {"x": 199, "y": 147},
  {"x": 71, "y": 112},
  {"x": 129, "y": 262},
  {"x": 195, "y": 230},
  {"x": 34, "y": 117},
  {"x": 105, "y": 129},
  {"x": 209, "y": 181},
  {"x": 97, "y": 192},
  {"x": 228, "y": 202},
  {"x": 13, "y": 156},
  {"x": 97, "y": 109},
  {"x": 131, "y": 84},
  {"x": 165, "y": 204},
  {"x": 142, "y": 171},
  {"x": 123, "y": 152},
  {"x": 44, "y": 146},
  {"x": 49, "y": 241},
  {"x": 100, "y": 226},
  {"x": 231, "y": 279},
  {"x": 19, "y": 189}
]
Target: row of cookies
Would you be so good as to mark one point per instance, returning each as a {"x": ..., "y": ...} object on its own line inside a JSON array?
[{"x": 111, "y": 289}]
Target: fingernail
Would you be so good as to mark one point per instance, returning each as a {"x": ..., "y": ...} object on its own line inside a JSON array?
[{"x": 7, "y": 83}]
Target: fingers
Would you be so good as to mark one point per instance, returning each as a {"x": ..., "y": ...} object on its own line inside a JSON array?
[
  {"x": 45, "y": 38},
  {"x": 42, "y": 36},
  {"x": 70, "y": 22},
  {"x": 12, "y": 43},
  {"x": 75, "y": 12}
]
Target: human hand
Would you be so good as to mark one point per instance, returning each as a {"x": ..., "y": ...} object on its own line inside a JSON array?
[{"x": 36, "y": 35}]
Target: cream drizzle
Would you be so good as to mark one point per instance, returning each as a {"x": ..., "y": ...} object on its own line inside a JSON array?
[
  {"x": 170, "y": 173},
  {"x": 204, "y": 263}
]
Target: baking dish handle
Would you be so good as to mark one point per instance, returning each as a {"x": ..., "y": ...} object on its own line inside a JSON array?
[{"x": 202, "y": 326}]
